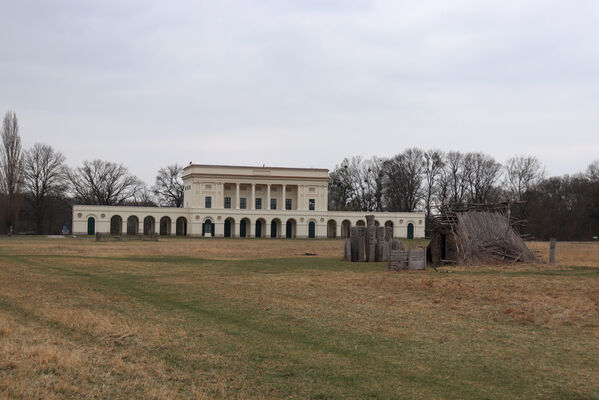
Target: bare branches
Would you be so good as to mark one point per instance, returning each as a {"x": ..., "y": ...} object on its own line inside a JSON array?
[
  {"x": 45, "y": 171},
  {"x": 481, "y": 172},
  {"x": 593, "y": 171},
  {"x": 356, "y": 185},
  {"x": 168, "y": 186},
  {"x": 103, "y": 183},
  {"x": 45, "y": 175},
  {"x": 522, "y": 173},
  {"x": 403, "y": 177}
]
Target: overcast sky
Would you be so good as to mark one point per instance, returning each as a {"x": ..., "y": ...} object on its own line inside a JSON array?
[{"x": 302, "y": 83}]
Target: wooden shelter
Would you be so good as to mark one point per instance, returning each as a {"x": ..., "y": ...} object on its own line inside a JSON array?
[{"x": 482, "y": 234}]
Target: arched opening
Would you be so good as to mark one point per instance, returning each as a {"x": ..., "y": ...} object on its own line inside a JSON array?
[
  {"x": 149, "y": 225},
  {"x": 208, "y": 228},
  {"x": 377, "y": 223},
  {"x": 132, "y": 225},
  {"x": 290, "y": 228},
  {"x": 361, "y": 223},
  {"x": 410, "y": 231},
  {"x": 345, "y": 228},
  {"x": 244, "y": 227},
  {"x": 389, "y": 224},
  {"x": 311, "y": 229},
  {"x": 275, "y": 228},
  {"x": 181, "y": 226},
  {"x": 332, "y": 229},
  {"x": 165, "y": 226},
  {"x": 116, "y": 225},
  {"x": 229, "y": 227},
  {"x": 259, "y": 226},
  {"x": 91, "y": 226}
]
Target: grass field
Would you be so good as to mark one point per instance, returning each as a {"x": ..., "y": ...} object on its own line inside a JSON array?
[{"x": 196, "y": 318}]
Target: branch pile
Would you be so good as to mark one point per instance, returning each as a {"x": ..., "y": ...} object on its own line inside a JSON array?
[{"x": 484, "y": 236}]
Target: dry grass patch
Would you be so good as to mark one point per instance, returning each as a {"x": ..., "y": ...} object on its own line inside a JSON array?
[
  {"x": 162, "y": 320},
  {"x": 569, "y": 253}
]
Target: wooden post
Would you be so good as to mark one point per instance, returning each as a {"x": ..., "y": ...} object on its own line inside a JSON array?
[{"x": 552, "y": 242}]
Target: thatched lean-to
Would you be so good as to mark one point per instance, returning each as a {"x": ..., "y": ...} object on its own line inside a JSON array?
[{"x": 477, "y": 237}]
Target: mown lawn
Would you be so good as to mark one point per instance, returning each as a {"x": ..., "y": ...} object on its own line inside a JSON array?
[{"x": 258, "y": 319}]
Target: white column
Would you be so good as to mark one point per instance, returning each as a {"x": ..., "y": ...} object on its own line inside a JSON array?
[
  {"x": 140, "y": 230},
  {"x": 220, "y": 196},
  {"x": 338, "y": 229},
  {"x": 284, "y": 200},
  {"x": 237, "y": 196},
  {"x": 173, "y": 227},
  {"x": 266, "y": 231},
  {"x": 268, "y": 196},
  {"x": 300, "y": 198},
  {"x": 253, "y": 205},
  {"x": 124, "y": 227}
]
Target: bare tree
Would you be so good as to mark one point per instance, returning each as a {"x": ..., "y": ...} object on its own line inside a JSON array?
[
  {"x": 45, "y": 175},
  {"x": 432, "y": 168},
  {"x": 455, "y": 178},
  {"x": 373, "y": 183},
  {"x": 481, "y": 171},
  {"x": 11, "y": 169},
  {"x": 593, "y": 171},
  {"x": 103, "y": 183},
  {"x": 356, "y": 185},
  {"x": 340, "y": 188},
  {"x": 522, "y": 173},
  {"x": 403, "y": 176},
  {"x": 143, "y": 198},
  {"x": 169, "y": 186}
]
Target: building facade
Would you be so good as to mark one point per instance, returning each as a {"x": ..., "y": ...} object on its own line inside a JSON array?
[{"x": 239, "y": 201}]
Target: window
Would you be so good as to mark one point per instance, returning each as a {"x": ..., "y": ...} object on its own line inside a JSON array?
[
  {"x": 258, "y": 203},
  {"x": 227, "y": 202},
  {"x": 243, "y": 203},
  {"x": 273, "y": 204},
  {"x": 311, "y": 204},
  {"x": 208, "y": 202},
  {"x": 287, "y": 204}
]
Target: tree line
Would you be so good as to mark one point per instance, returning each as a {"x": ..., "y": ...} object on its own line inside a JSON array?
[
  {"x": 566, "y": 207},
  {"x": 38, "y": 189}
]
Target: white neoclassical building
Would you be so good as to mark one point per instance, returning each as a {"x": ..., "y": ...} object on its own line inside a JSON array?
[{"x": 240, "y": 201}]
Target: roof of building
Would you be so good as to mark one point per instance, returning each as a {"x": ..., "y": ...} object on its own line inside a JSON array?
[{"x": 253, "y": 167}]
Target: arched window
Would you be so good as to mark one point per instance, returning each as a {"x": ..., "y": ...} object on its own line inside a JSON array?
[
  {"x": 243, "y": 228},
  {"x": 165, "y": 226},
  {"x": 229, "y": 223},
  {"x": 331, "y": 228},
  {"x": 91, "y": 226},
  {"x": 311, "y": 230},
  {"x": 410, "y": 231},
  {"x": 290, "y": 228},
  {"x": 258, "y": 228},
  {"x": 132, "y": 225},
  {"x": 116, "y": 225},
  {"x": 181, "y": 228},
  {"x": 273, "y": 228},
  {"x": 208, "y": 228}
]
